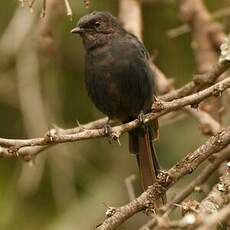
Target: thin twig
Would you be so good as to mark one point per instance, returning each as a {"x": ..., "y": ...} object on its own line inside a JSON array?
[
  {"x": 43, "y": 13},
  {"x": 68, "y": 9}
]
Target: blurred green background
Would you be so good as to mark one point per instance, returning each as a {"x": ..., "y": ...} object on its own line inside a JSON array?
[{"x": 42, "y": 84}]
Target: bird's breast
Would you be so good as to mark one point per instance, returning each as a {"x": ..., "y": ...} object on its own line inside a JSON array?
[{"x": 118, "y": 81}]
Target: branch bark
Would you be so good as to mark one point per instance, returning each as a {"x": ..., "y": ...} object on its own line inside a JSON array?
[
  {"x": 216, "y": 218},
  {"x": 186, "y": 166},
  {"x": 198, "y": 181},
  {"x": 159, "y": 109},
  {"x": 218, "y": 197}
]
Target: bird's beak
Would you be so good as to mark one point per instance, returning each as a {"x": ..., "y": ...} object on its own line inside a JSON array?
[{"x": 77, "y": 30}]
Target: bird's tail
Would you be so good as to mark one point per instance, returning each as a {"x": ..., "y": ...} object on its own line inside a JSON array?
[{"x": 141, "y": 143}]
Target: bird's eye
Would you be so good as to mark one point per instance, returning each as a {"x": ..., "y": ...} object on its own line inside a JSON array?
[{"x": 97, "y": 24}]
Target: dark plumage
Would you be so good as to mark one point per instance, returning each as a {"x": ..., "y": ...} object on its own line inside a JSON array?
[
  {"x": 119, "y": 81},
  {"x": 118, "y": 77}
]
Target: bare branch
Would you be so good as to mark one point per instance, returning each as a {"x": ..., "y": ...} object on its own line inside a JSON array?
[
  {"x": 216, "y": 218},
  {"x": 167, "y": 179},
  {"x": 160, "y": 108},
  {"x": 219, "y": 195},
  {"x": 198, "y": 181}
]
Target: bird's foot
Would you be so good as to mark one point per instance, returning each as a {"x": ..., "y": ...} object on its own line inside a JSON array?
[
  {"x": 142, "y": 120},
  {"x": 109, "y": 132},
  {"x": 141, "y": 117}
]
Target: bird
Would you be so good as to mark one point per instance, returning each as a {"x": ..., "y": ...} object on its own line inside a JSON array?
[{"x": 120, "y": 83}]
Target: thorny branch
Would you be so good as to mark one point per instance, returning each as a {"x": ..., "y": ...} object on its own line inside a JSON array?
[
  {"x": 195, "y": 185},
  {"x": 187, "y": 165},
  {"x": 203, "y": 86},
  {"x": 219, "y": 195},
  {"x": 159, "y": 109},
  {"x": 216, "y": 218},
  {"x": 210, "y": 212},
  {"x": 199, "y": 180}
]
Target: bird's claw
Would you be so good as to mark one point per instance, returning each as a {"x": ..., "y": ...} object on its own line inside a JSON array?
[
  {"x": 108, "y": 132},
  {"x": 142, "y": 120},
  {"x": 112, "y": 136}
]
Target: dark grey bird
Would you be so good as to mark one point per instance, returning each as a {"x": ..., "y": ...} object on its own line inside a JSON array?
[{"x": 120, "y": 83}]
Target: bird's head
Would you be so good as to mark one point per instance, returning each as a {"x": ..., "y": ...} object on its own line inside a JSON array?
[{"x": 97, "y": 27}]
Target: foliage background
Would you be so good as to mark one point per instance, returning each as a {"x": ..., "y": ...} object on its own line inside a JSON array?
[{"x": 70, "y": 185}]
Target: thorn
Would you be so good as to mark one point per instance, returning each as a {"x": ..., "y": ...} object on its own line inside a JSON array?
[
  {"x": 110, "y": 210},
  {"x": 189, "y": 206},
  {"x": 221, "y": 187},
  {"x": 50, "y": 136},
  {"x": 177, "y": 205},
  {"x": 216, "y": 92},
  {"x": 14, "y": 150},
  {"x": 80, "y": 126},
  {"x": 115, "y": 137},
  {"x": 158, "y": 105},
  {"x": 55, "y": 130},
  {"x": 108, "y": 132},
  {"x": 118, "y": 141}
]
